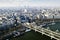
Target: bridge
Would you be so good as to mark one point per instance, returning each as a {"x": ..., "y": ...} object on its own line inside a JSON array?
[
  {"x": 42, "y": 30},
  {"x": 47, "y": 20}
]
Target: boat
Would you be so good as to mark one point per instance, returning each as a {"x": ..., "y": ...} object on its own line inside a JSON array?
[
  {"x": 27, "y": 30},
  {"x": 53, "y": 23},
  {"x": 44, "y": 25}
]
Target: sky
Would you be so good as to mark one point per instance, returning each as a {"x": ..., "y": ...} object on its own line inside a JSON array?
[{"x": 32, "y": 3}]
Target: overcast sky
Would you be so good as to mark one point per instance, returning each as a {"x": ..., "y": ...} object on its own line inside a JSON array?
[{"x": 38, "y": 3}]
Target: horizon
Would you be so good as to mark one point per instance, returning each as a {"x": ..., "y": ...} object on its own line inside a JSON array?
[{"x": 30, "y": 3}]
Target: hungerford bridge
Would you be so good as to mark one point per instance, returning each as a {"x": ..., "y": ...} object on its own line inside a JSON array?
[{"x": 42, "y": 30}]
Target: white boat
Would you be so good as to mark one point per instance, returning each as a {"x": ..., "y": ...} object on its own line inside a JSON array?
[
  {"x": 27, "y": 30},
  {"x": 53, "y": 23}
]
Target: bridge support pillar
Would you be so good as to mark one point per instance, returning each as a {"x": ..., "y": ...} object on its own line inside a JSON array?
[{"x": 51, "y": 37}]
